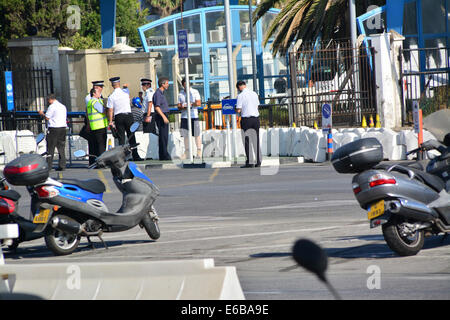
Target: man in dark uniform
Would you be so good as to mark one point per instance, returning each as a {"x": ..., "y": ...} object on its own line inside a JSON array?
[{"x": 162, "y": 117}]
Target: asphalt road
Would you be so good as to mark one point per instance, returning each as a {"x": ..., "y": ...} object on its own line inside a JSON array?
[{"x": 250, "y": 219}]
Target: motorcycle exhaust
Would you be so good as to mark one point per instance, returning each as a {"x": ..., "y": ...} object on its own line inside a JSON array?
[
  {"x": 412, "y": 209},
  {"x": 65, "y": 225}
]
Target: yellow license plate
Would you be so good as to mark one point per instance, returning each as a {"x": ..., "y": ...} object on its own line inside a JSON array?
[
  {"x": 376, "y": 210},
  {"x": 42, "y": 217}
]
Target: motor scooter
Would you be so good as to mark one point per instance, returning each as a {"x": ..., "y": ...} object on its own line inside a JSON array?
[
  {"x": 409, "y": 201},
  {"x": 68, "y": 209}
]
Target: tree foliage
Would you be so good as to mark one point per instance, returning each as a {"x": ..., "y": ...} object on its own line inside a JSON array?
[
  {"x": 302, "y": 21},
  {"x": 48, "y": 18}
]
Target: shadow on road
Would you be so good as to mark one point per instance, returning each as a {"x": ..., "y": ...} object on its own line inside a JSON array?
[
  {"x": 365, "y": 251},
  {"x": 41, "y": 251}
]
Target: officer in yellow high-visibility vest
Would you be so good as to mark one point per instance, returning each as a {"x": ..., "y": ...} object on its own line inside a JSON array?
[{"x": 98, "y": 122}]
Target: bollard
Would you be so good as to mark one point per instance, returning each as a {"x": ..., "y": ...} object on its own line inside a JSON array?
[
  {"x": 378, "y": 122},
  {"x": 329, "y": 145},
  {"x": 364, "y": 122}
]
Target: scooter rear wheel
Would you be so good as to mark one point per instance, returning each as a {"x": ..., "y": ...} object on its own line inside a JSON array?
[
  {"x": 151, "y": 227},
  {"x": 61, "y": 243},
  {"x": 399, "y": 243}
]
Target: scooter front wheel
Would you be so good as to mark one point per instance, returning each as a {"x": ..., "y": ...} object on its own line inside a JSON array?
[
  {"x": 151, "y": 227},
  {"x": 400, "y": 240},
  {"x": 61, "y": 243}
]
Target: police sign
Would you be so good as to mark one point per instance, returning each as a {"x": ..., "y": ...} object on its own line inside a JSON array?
[{"x": 229, "y": 106}]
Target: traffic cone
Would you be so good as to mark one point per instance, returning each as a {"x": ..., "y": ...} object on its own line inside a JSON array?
[
  {"x": 378, "y": 122},
  {"x": 364, "y": 122},
  {"x": 315, "y": 125},
  {"x": 371, "y": 124},
  {"x": 294, "y": 125},
  {"x": 109, "y": 144}
]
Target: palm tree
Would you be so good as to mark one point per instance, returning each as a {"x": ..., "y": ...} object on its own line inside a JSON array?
[{"x": 303, "y": 21}]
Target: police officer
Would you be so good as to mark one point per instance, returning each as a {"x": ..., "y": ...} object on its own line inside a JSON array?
[
  {"x": 120, "y": 116},
  {"x": 247, "y": 105},
  {"x": 161, "y": 117},
  {"x": 98, "y": 86},
  {"x": 147, "y": 102},
  {"x": 56, "y": 116},
  {"x": 98, "y": 122}
]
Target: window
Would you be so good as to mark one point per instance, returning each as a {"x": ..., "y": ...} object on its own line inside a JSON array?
[
  {"x": 218, "y": 62},
  {"x": 195, "y": 64},
  {"x": 192, "y": 25},
  {"x": 245, "y": 26},
  {"x": 410, "y": 18},
  {"x": 433, "y": 16},
  {"x": 215, "y": 27},
  {"x": 161, "y": 35}
]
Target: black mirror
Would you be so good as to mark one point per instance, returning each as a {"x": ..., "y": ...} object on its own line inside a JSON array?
[{"x": 313, "y": 258}]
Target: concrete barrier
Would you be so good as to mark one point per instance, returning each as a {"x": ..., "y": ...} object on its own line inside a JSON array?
[
  {"x": 311, "y": 144},
  {"x": 157, "y": 280}
]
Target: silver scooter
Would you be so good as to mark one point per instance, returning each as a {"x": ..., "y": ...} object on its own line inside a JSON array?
[{"x": 410, "y": 201}]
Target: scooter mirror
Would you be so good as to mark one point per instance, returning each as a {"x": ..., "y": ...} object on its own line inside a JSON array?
[
  {"x": 40, "y": 137},
  {"x": 311, "y": 257},
  {"x": 134, "y": 127},
  {"x": 79, "y": 153}
]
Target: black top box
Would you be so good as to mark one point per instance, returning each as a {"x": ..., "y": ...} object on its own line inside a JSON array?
[
  {"x": 357, "y": 156},
  {"x": 27, "y": 170}
]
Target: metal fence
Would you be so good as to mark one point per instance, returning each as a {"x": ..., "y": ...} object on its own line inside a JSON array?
[
  {"x": 273, "y": 112},
  {"x": 31, "y": 87},
  {"x": 333, "y": 73},
  {"x": 430, "y": 88}
]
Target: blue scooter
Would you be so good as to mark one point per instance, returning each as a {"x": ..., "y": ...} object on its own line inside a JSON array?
[{"x": 66, "y": 210}]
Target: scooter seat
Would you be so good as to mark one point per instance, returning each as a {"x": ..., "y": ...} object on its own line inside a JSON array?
[
  {"x": 92, "y": 185},
  {"x": 430, "y": 180},
  {"x": 10, "y": 194}
]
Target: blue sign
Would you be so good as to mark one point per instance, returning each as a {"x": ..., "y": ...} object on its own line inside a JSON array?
[
  {"x": 183, "y": 48},
  {"x": 327, "y": 122},
  {"x": 326, "y": 111},
  {"x": 9, "y": 91},
  {"x": 229, "y": 106}
]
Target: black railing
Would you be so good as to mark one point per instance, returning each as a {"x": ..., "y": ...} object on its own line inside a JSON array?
[
  {"x": 334, "y": 73},
  {"x": 425, "y": 80}
]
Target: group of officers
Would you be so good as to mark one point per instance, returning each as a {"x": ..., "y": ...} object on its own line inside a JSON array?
[{"x": 118, "y": 117}]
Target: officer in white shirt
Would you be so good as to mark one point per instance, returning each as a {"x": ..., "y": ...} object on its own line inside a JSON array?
[
  {"x": 146, "y": 85},
  {"x": 56, "y": 116},
  {"x": 196, "y": 102},
  {"x": 120, "y": 116},
  {"x": 247, "y": 105}
]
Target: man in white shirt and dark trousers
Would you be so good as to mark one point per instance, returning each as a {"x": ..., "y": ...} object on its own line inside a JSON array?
[
  {"x": 196, "y": 102},
  {"x": 56, "y": 116},
  {"x": 247, "y": 105},
  {"x": 120, "y": 116}
]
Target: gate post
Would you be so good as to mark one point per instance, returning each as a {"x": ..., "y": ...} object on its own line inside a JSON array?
[{"x": 387, "y": 79}]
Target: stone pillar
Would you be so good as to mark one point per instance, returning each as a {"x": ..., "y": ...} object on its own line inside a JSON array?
[
  {"x": 387, "y": 76},
  {"x": 37, "y": 52}
]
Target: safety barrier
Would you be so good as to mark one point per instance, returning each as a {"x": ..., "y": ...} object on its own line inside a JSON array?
[{"x": 161, "y": 280}]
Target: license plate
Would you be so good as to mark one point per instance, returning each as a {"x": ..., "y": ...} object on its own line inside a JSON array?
[
  {"x": 42, "y": 217},
  {"x": 376, "y": 210}
]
